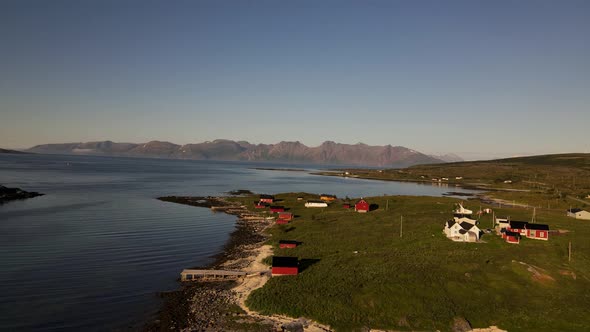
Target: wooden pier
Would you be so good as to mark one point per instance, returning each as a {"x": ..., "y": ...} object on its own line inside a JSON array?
[
  {"x": 213, "y": 275},
  {"x": 193, "y": 275}
]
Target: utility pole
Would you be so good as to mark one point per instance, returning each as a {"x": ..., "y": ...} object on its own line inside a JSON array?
[
  {"x": 534, "y": 215},
  {"x": 401, "y": 226},
  {"x": 387, "y": 205},
  {"x": 569, "y": 255}
]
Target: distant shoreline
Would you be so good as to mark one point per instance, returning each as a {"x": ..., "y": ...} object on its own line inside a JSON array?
[{"x": 13, "y": 194}]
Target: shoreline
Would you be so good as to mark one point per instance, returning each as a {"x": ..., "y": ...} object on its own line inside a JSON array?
[{"x": 220, "y": 305}]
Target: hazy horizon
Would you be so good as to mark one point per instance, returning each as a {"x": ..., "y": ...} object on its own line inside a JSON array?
[{"x": 482, "y": 80}]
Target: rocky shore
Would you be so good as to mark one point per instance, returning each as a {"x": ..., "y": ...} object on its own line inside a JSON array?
[
  {"x": 10, "y": 194},
  {"x": 213, "y": 306}
]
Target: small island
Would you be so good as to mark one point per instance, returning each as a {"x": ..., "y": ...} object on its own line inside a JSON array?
[{"x": 10, "y": 194}]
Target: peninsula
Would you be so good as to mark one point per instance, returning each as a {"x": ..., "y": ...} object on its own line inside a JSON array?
[{"x": 9, "y": 194}]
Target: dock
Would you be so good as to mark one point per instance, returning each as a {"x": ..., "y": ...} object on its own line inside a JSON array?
[
  {"x": 213, "y": 275},
  {"x": 192, "y": 275}
]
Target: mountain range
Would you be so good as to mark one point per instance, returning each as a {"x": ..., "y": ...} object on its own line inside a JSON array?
[{"x": 288, "y": 152}]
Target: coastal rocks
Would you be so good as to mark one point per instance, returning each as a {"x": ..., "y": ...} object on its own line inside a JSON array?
[{"x": 9, "y": 194}]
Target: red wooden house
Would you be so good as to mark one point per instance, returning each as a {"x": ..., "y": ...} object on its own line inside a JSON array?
[
  {"x": 537, "y": 231},
  {"x": 361, "y": 206},
  {"x": 346, "y": 205},
  {"x": 282, "y": 221},
  {"x": 518, "y": 227},
  {"x": 275, "y": 209},
  {"x": 286, "y": 215},
  {"x": 267, "y": 199},
  {"x": 287, "y": 244},
  {"x": 284, "y": 266}
]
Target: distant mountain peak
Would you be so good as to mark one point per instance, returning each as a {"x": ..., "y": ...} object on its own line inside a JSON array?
[{"x": 329, "y": 152}]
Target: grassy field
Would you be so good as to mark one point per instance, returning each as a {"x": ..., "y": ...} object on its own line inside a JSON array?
[{"x": 358, "y": 272}]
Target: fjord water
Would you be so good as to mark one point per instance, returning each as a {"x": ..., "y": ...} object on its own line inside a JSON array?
[{"x": 94, "y": 251}]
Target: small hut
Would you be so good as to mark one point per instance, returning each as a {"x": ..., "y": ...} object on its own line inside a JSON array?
[
  {"x": 286, "y": 215},
  {"x": 361, "y": 206},
  {"x": 283, "y": 244},
  {"x": 512, "y": 237},
  {"x": 284, "y": 266},
  {"x": 327, "y": 197}
]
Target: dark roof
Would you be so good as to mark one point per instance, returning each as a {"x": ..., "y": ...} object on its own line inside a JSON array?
[
  {"x": 288, "y": 242},
  {"x": 508, "y": 233},
  {"x": 518, "y": 224},
  {"x": 575, "y": 210},
  {"x": 328, "y": 195},
  {"x": 462, "y": 231},
  {"x": 461, "y": 215},
  {"x": 540, "y": 227},
  {"x": 267, "y": 196},
  {"x": 466, "y": 225},
  {"x": 285, "y": 261},
  {"x": 450, "y": 223}
]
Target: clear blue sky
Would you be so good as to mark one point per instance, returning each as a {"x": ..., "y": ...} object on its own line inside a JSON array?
[{"x": 479, "y": 78}]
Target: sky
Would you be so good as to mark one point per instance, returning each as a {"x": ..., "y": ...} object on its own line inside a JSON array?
[{"x": 481, "y": 79}]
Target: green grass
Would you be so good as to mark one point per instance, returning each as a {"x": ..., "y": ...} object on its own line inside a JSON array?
[{"x": 423, "y": 280}]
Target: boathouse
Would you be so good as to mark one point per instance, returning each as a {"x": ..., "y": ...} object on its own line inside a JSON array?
[
  {"x": 284, "y": 266},
  {"x": 315, "y": 204},
  {"x": 537, "y": 231},
  {"x": 361, "y": 206},
  {"x": 283, "y": 244},
  {"x": 267, "y": 199},
  {"x": 276, "y": 208}
]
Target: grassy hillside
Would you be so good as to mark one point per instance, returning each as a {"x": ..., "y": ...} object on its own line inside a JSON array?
[
  {"x": 557, "y": 175},
  {"x": 358, "y": 272}
]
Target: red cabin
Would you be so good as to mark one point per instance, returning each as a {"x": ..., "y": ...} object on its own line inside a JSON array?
[
  {"x": 282, "y": 221},
  {"x": 267, "y": 199},
  {"x": 361, "y": 206},
  {"x": 283, "y": 244},
  {"x": 284, "y": 266},
  {"x": 286, "y": 215},
  {"x": 511, "y": 237},
  {"x": 346, "y": 205},
  {"x": 259, "y": 205},
  {"x": 537, "y": 231},
  {"x": 275, "y": 209}
]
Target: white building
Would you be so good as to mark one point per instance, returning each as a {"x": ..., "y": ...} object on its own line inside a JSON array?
[
  {"x": 461, "y": 232},
  {"x": 578, "y": 214},
  {"x": 316, "y": 204}
]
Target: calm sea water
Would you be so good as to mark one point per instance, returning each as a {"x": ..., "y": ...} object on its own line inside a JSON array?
[{"x": 94, "y": 251}]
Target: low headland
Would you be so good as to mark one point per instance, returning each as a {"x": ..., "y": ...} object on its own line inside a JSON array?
[
  {"x": 11, "y": 194},
  {"x": 389, "y": 269}
]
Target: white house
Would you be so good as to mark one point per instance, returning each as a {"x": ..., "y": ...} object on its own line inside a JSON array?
[
  {"x": 316, "y": 204},
  {"x": 460, "y": 220},
  {"x": 578, "y": 214},
  {"x": 461, "y": 232}
]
